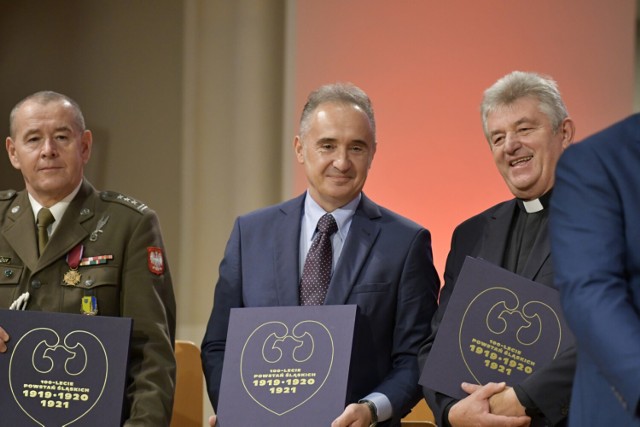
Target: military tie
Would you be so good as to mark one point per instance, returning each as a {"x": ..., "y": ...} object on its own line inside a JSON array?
[
  {"x": 316, "y": 273},
  {"x": 45, "y": 218}
]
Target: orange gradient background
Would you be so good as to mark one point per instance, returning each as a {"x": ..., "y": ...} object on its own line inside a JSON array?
[{"x": 425, "y": 65}]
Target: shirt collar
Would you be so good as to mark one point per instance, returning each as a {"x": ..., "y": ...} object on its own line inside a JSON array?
[
  {"x": 313, "y": 212},
  {"x": 535, "y": 205},
  {"x": 57, "y": 210}
]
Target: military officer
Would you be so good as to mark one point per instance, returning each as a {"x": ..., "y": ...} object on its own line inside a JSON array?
[{"x": 66, "y": 247}]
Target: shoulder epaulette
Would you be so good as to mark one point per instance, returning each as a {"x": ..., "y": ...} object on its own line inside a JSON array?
[
  {"x": 7, "y": 194},
  {"x": 112, "y": 196}
]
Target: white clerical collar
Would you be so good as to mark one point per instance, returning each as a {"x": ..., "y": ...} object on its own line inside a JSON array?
[{"x": 533, "y": 206}]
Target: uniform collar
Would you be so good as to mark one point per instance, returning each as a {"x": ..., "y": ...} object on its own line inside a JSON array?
[{"x": 57, "y": 210}]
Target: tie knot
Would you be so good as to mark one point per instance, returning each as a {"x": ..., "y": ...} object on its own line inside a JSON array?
[
  {"x": 327, "y": 224},
  {"x": 45, "y": 217}
]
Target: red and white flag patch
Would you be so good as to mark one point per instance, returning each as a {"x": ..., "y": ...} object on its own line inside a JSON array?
[{"x": 155, "y": 260}]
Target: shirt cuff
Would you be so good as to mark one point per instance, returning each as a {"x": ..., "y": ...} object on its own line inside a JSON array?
[{"x": 383, "y": 405}]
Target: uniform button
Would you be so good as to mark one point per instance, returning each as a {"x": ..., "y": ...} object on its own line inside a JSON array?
[
  {"x": 35, "y": 284},
  {"x": 8, "y": 273}
]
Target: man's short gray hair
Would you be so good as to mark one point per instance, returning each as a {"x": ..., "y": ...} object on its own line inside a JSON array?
[
  {"x": 45, "y": 97},
  {"x": 346, "y": 93},
  {"x": 520, "y": 84}
]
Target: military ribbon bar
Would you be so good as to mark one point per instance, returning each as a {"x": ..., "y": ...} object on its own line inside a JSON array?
[{"x": 95, "y": 260}]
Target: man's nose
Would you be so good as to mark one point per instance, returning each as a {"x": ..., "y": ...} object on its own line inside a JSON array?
[
  {"x": 49, "y": 148},
  {"x": 342, "y": 161},
  {"x": 512, "y": 142}
]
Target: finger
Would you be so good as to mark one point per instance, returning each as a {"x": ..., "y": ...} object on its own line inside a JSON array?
[
  {"x": 470, "y": 388},
  {"x": 504, "y": 421},
  {"x": 212, "y": 421},
  {"x": 521, "y": 421},
  {"x": 4, "y": 337},
  {"x": 485, "y": 391},
  {"x": 344, "y": 420}
]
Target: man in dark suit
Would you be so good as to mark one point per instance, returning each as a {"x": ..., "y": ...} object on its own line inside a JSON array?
[
  {"x": 527, "y": 126},
  {"x": 102, "y": 247},
  {"x": 595, "y": 237},
  {"x": 381, "y": 261}
]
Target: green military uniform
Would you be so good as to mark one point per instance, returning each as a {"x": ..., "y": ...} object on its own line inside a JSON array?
[{"x": 134, "y": 283}]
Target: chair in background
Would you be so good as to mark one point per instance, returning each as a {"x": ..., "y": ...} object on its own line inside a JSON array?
[
  {"x": 420, "y": 416},
  {"x": 187, "y": 404},
  {"x": 417, "y": 424}
]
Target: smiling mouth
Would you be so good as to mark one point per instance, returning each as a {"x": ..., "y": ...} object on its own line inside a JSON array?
[
  {"x": 521, "y": 160},
  {"x": 339, "y": 178}
]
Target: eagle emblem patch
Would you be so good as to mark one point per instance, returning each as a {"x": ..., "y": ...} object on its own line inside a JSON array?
[{"x": 155, "y": 261}]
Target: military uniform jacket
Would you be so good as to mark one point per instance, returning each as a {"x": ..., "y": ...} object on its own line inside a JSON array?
[{"x": 135, "y": 283}]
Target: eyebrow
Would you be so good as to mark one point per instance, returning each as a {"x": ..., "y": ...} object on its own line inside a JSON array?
[
  {"x": 58, "y": 129},
  {"x": 516, "y": 124},
  {"x": 325, "y": 139},
  {"x": 525, "y": 120}
]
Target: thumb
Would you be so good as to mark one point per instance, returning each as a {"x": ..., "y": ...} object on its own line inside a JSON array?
[{"x": 470, "y": 388}]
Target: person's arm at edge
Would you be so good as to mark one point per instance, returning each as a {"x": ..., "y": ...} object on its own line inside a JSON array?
[
  {"x": 148, "y": 298},
  {"x": 438, "y": 402},
  {"x": 417, "y": 299},
  {"x": 228, "y": 294},
  {"x": 591, "y": 279},
  {"x": 548, "y": 390}
]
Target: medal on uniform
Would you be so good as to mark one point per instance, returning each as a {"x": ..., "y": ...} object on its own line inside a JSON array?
[
  {"x": 72, "y": 277},
  {"x": 89, "y": 306}
]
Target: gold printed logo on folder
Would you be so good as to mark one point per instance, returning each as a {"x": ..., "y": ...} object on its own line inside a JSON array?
[
  {"x": 507, "y": 320},
  {"x": 290, "y": 371}
]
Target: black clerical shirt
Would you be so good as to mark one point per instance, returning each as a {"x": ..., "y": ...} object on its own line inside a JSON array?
[{"x": 526, "y": 228}]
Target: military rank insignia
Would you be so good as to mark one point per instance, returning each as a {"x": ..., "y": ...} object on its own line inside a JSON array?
[{"x": 155, "y": 261}]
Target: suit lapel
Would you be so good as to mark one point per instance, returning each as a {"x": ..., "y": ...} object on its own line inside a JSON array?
[
  {"x": 72, "y": 228},
  {"x": 20, "y": 230},
  {"x": 494, "y": 241},
  {"x": 362, "y": 235},
  {"x": 287, "y": 252}
]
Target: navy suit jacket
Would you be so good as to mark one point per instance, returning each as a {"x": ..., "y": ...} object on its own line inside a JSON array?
[
  {"x": 385, "y": 267},
  {"x": 485, "y": 236},
  {"x": 595, "y": 233}
]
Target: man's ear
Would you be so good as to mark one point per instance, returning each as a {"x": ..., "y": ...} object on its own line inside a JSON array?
[
  {"x": 86, "y": 142},
  {"x": 11, "y": 151},
  {"x": 297, "y": 147},
  {"x": 568, "y": 129},
  {"x": 374, "y": 147}
]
